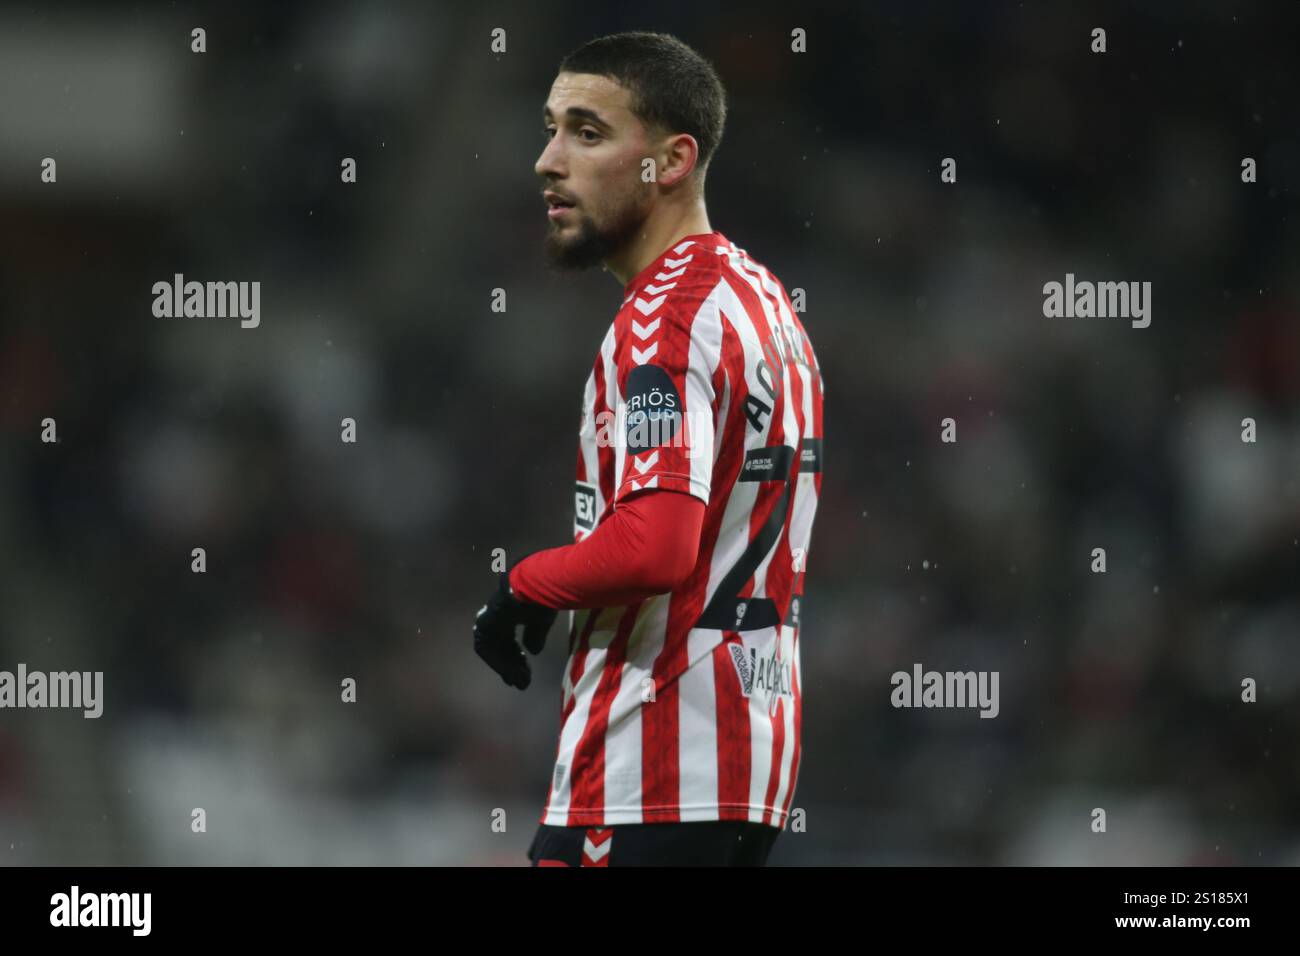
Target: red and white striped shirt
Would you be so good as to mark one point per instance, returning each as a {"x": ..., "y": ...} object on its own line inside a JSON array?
[{"x": 686, "y": 706}]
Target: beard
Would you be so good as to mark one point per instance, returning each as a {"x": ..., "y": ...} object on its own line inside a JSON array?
[{"x": 591, "y": 244}]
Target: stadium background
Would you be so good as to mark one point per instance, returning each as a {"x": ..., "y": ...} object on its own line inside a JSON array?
[{"x": 924, "y": 301}]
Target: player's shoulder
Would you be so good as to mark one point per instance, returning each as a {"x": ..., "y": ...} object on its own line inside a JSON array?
[
  {"x": 677, "y": 285},
  {"x": 754, "y": 271},
  {"x": 764, "y": 280}
]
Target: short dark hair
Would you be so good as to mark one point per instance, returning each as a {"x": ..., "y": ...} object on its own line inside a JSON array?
[{"x": 673, "y": 87}]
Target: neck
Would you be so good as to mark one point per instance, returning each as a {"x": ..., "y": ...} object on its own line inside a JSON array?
[{"x": 659, "y": 233}]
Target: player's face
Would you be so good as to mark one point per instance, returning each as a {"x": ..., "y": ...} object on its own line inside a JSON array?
[{"x": 591, "y": 170}]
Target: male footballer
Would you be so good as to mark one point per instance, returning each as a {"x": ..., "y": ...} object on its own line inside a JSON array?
[{"x": 698, "y": 474}]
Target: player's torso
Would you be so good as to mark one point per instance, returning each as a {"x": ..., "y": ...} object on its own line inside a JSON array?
[{"x": 717, "y": 659}]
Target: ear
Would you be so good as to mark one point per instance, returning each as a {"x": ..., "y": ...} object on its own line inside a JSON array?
[{"x": 679, "y": 156}]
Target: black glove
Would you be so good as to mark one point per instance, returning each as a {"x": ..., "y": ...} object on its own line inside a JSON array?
[{"x": 494, "y": 633}]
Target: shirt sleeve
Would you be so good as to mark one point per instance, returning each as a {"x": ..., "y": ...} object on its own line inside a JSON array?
[
  {"x": 648, "y": 545},
  {"x": 666, "y": 417}
]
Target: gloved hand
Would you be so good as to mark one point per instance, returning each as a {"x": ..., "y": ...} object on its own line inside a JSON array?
[{"x": 494, "y": 632}]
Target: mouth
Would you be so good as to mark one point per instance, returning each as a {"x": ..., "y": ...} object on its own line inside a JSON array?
[{"x": 557, "y": 205}]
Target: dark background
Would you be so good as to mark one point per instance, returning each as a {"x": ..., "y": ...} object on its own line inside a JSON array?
[{"x": 924, "y": 301}]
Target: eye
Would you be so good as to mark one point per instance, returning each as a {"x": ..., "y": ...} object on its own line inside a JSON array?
[
  {"x": 548, "y": 132},
  {"x": 593, "y": 137}
]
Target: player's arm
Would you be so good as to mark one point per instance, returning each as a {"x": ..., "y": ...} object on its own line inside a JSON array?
[{"x": 648, "y": 545}]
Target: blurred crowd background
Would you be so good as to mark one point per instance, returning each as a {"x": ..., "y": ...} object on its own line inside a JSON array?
[{"x": 924, "y": 301}]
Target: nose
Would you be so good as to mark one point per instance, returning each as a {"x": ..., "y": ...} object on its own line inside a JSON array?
[{"x": 550, "y": 164}]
